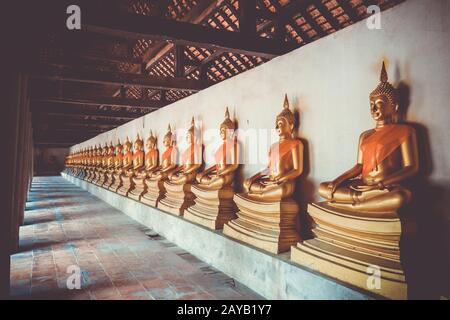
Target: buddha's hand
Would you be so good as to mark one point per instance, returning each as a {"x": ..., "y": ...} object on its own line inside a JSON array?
[
  {"x": 369, "y": 186},
  {"x": 200, "y": 176},
  {"x": 332, "y": 186},
  {"x": 276, "y": 179}
]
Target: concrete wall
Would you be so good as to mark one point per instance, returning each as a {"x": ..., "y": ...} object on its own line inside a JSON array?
[{"x": 328, "y": 83}]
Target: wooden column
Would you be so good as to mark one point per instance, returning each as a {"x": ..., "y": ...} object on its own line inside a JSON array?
[{"x": 16, "y": 121}]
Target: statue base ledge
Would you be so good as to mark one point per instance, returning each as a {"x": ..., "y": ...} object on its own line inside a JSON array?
[
  {"x": 350, "y": 268},
  {"x": 270, "y": 226},
  {"x": 212, "y": 208},
  {"x": 176, "y": 199},
  {"x": 155, "y": 192},
  {"x": 349, "y": 245}
]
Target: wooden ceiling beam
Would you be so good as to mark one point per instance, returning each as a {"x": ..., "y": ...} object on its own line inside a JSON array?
[
  {"x": 182, "y": 33},
  {"x": 107, "y": 101},
  {"x": 42, "y": 109},
  {"x": 247, "y": 16},
  {"x": 114, "y": 78},
  {"x": 69, "y": 58}
]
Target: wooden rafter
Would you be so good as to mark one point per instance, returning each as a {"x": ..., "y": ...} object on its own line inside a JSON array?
[
  {"x": 114, "y": 78},
  {"x": 109, "y": 101},
  {"x": 158, "y": 29}
]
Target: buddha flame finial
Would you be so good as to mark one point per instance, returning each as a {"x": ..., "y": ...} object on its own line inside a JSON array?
[
  {"x": 168, "y": 133},
  {"x": 227, "y": 123},
  {"x": 151, "y": 137},
  {"x": 383, "y": 75},
  {"x": 128, "y": 143},
  {"x": 192, "y": 128},
  {"x": 286, "y": 102},
  {"x": 384, "y": 88},
  {"x": 286, "y": 113}
]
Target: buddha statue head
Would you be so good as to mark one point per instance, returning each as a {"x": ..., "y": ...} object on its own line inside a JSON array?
[
  {"x": 191, "y": 135},
  {"x": 118, "y": 148},
  {"x": 138, "y": 143},
  {"x": 227, "y": 127},
  {"x": 168, "y": 142},
  {"x": 151, "y": 141},
  {"x": 110, "y": 149},
  {"x": 384, "y": 100},
  {"x": 127, "y": 145},
  {"x": 285, "y": 120}
]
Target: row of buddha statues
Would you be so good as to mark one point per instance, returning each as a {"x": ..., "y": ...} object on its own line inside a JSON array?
[{"x": 357, "y": 225}]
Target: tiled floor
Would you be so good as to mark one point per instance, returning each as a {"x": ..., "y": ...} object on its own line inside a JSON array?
[{"x": 117, "y": 258}]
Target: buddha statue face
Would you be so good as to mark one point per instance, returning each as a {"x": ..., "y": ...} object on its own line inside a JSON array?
[
  {"x": 151, "y": 143},
  {"x": 284, "y": 128},
  {"x": 126, "y": 147},
  {"x": 167, "y": 141},
  {"x": 384, "y": 99},
  {"x": 118, "y": 149},
  {"x": 137, "y": 145},
  {"x": 190, "y": 137},
  {"x": 227, "y": 127},
  {"x": 225, "y": 133},
  {"x": 381, "y": 108},
  {"x": 285, "y": 121}
]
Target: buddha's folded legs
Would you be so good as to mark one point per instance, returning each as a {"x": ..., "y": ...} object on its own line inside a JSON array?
[
  {"x": 214, "y": 182},
  {"x": 271, "y": 192},
  {"x": 182, "y": 178},
  {"x": 369, "y": 201}
]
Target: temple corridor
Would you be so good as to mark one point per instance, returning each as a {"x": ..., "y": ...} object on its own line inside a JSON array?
[{"x": 118, "y": 257}]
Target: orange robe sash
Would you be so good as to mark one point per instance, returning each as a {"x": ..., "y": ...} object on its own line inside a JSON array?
[
  {"x": 380, "y": 144},
  {"x": 190, "y": 154},
  {"x": 225, "y": 152},
  {"x": 167, "y": 154},
  {"x": 151, "y": 154},
  {"x": 138, "y": 154},
  {"x": 279, "y": 150}
]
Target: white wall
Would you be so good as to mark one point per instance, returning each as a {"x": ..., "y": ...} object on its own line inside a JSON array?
[{"x": 328, "y": 82}]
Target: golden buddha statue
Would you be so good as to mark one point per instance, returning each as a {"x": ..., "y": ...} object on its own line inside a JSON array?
[
  {"x": 387, "y": 155},
  {"x": 137, "y": 163},
  {"x": 155, "y": 180},
  {"x": 358, "y": 226},
  {"x": 84, "y": 163},
  {"x": 102, "y": 170},
  {"x": 226, "y": 157},
  {"x": 277, "y": 181},
  {"x": 151, "y": 163},
  {"x": 178, "y": 195},
  {"x": 189, "y": 159},
  {"x": 214, "y": 203},
  {"x": 94, "y": 164},
  {"x": 87, "y": 163},
  {"x": 98, "y": 164},
  {"x": 268, "y": 194},
  {"x": 118, "y": 168},
  {"x": 110, "y": 158}
]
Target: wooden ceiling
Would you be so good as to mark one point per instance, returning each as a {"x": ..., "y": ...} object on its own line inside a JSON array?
[{"x": 136, "y": 56}]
